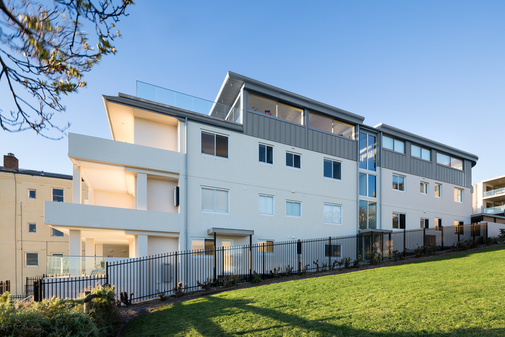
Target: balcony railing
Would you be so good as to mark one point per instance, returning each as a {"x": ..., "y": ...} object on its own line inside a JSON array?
[
  {"x": 494, "y": 210},
  {"x": 78, "y": 265},
  {"x": 492, "y": 193},
  {"x": 188, "y": 102}
]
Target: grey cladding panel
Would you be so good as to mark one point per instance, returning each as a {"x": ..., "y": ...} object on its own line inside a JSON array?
[
  {"x": 275, "y": 130},
  {"x": 394, "y": 161},
  {"x": 332, "y": 145},
  {"x": 450, "y": 175},
  {"x": 468, "y": 173},
  {"x": 421, "y": 168}
]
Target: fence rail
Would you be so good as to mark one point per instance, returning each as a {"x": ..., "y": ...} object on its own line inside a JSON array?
[{"x": 145, "y": 278}]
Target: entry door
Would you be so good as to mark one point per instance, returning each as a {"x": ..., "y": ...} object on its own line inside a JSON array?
[{"x": 227, "y": 258}]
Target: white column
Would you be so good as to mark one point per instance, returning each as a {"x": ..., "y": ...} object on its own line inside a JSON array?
[
  {"x": 91, "y": 196},
  {"x": 74, "y": 249},
  {"x": 131, "y": 248},
  {"x": 77, "y": 186},
  {"x": 99, "y": 249},
  {"x": 141, "y": 191},
  {"x": 90, "y": 253},
  {"x": 140, "y": 245}
]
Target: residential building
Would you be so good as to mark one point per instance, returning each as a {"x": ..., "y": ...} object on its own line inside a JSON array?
[
  {"x": 25, "y": 241},
  {"x": 259, "y": 164},
  {"x": 488, "y": 203}
]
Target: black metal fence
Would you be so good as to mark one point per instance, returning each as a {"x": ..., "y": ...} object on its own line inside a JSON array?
[{"x": 146, "y": 277}]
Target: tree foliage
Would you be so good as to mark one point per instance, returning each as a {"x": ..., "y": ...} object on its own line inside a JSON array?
[{"x": 45, "y": 50}]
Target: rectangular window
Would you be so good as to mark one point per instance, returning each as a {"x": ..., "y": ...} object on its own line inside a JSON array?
[
  {"x": 367, "y": 151},
  {"x": 371, "y": 186},
  {"x": 425, "y": 223},
  {"x": 399, "y": 220},
  {"x": 32, "y": 194},
  {"x": 398, "y": 182},
  {"x": 458, "y": 227},
  {"x": 293, "y": 208},
  {"x": 31, "y": 259},
  {"x": 328, "y": 124},
  {"x": 367, "y": 214},
  {"x": 265, "y": 246},
  {"x": 458, "y": 194},
  {"x": 367, "y": 185},
  {"x": 332, "y": 169},
  {"x": 333, "y": 250},
  {"x": 58, "y": 194},
  {"x": 420, "y": 152},
  {"x": 363, "y": 184},
  {"x": 424, "y": 187},
  {"x": 57, "y": 233},
  {"x": 266, "y": 205},
  {"x": 438, "y": 190},
  {"x": 272, "y": 107},
  {"x": 203, "y": 247},
  {"x": 214, "y": 200},
  {"x": 393, "y": 144},
  {"x": 214, "y": 145},
  {"x": 438, "y": 223},
  {"x": 449, "y": 161},
  {"x": 32, "y": 228},
  {"x": 266, "y": 154},
  {"x": 332, "y": 214},
  {"x": 293, "y": 160}
]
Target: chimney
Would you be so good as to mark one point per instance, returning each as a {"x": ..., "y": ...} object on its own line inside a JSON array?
[{"x": 11, "y": 162}]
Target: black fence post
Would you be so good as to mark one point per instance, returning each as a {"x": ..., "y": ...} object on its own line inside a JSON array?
[
  {"x": 107, "y": 272},
  {"x": 389, "y": 244},
  {"x": 299, "y": 253},
  {"x": 382, "y": 246},
  {"x": 486, "y": 233},
  {"x": 459, "y": 232},
  {"x": 442, "y": 229},
  {"x": 250, "y": 258},
  {"x": 330, "y": 252},
  {"x": 175, "y": 266},
  {"x": 36, "y": 290},
  {"x": 215, "y": 258},
  {"x": 357, "y": 246},
  {"x": 263, "y": 258},
  {"x": 404, "y": 242},
  {"x": 473, "y": 231},
  {"x": 424, "y": 236}
]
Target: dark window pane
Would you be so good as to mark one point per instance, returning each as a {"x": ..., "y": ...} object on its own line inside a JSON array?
[
  {"x": 362, "y": 151},
  {"x": 371, "y": 186},
  {"x": 57, "y": 232},
  {"x": 402, "y": 221},
  {"x": 221, "y": 146},
  {"x": 336, "y": 170},
  {"x": 32, "y": 228},
  {"x": 401, "y": 183},
  {"x": 395, "y": 220},
  {"x": 289, "y": 159},
  {"x": 208, "y": 143},
  {"x": 262, "y": 153},
  {"x": 32, "y": 194},
  {"x": 362, "y": 184},
  {"x": 395, "y": 182},
  {"x": 270, "y": 155},
  {"x": 297, "y": 161},
  {"x": 209, "y": 247},
  {"x": 372, "y": 215},
  {"x": 327, "y": 169},
  {"x": 57, "y": 195},
  {"x": 363, "y": 205},
  {"x": 371, "y": 153}
]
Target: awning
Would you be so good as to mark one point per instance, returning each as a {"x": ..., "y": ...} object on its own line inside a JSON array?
[{"x": 230, "y": 231}]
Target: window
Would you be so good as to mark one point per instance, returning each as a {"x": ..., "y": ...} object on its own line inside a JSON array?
[
  {"x": 32, "y": 228},
  {"x": 328, "y": 124},
  {"x": 293, "y": 160},
  {"x": 333, "y": 250},
  {"x": 367, "y": 151},
  {"x": 458, "y": 227},
  {"x": 214, "y": 200},
  {"x": 57, "y": 233},
  {"x": 425, "y": 223},
  {"x": 458, "y": 194},
  {"x": 438, "y": 190},
  {"x": 332, "y": 169},
  {"x": 266, "y": 205},
  {"x": 367, "y": 214},
  {"x": 293, "y": 208},
  {"x": 31, "y": 259},
  {"x": 58, "y": 194},
  {"x": 438, "y": 223},
  {"x": 399, "y": 220},
  {"x": 203, "y": 247},
  {"x": 214, "y": 145},
  {"x": 265, "y": 246},
  {"x": 367, "y": 185},
  {"x": 32, "y": 194},
  {"x": 449, "y": 161},
  {"x": 424, "y": 187},
  {"x": 332, "y": 214},
  {"x": 57, "y": 262},
  {"x": 393, "y": 144},
  {"x": 398, "y": 182},
  {"x": 274, "y": 108},
  {"x": 266, "y": 154},
  {"x": 420, "y": 152}
]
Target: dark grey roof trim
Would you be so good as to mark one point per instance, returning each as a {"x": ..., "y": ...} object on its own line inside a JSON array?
[
  {"x": 145, "y": 104},
  {"x": 38, "y": 173},
  {"x": 230, "y": 231},
  {"x": 290, "y": 97},
  {"x": 390, "y": 130}
]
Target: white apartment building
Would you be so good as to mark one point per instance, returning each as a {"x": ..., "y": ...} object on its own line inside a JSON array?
[
  {"x": 488, "y": 202},
  {"x": 260, "y": 164}
]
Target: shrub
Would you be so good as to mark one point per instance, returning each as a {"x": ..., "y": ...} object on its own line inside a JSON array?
[
  {"x": 397, "y": 255},
  {"x": 257, "y": 277},
  {"x": 357, "y": 262}
]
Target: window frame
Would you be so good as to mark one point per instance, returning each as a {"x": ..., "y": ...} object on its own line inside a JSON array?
[
  {"x": 399, "y": 216},
  {"x": 273, "y": 204},
  {"x": 277, "y": 104},
  {"x": 459, "y": 197},
  {"x": 56, "y": 236},
  {"x": 62, "y": 192},
  {"x": 333, "y": 162},
  {"x": 215, "y": 134},
  {"x": 204, "y": 253},
  {"x": 367, "y": 151},
  {"x": 404, "y": 182},
  {"x": 293, "y": 202},
  {"x": 421, "y": 148},
  {"x": 31, "y": 265},
  {"x": 214, "y": 189},
  {"x": 451, "y": 159},
  {"x": 329, "y": 250},
  {"x": 293, "y": 154},
  {"x": 332, "y": 126},
  {"x": 266, "y": 154},
  {"x": 426, "y": 189},
  {"x": 439, "y": 185},
  {"x": 341, "y": 214},
  {"x": 439, "y": 224},
  {"x": 423, "y": 221},
  {"x": 394, "y": 139},
  {"x": 269, "y": 245},
  {"x": 35, "y": 227},
  {"x": 459, "y": 227},
  {"x": 369, "y": 204},
  {"x": 29, "y": 193}
]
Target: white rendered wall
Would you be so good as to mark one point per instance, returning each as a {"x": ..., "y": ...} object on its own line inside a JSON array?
[
  {"x": 112, "y": 199},
  {"x": 155, "y": 134},
  {"x": 160, "y": 195},
  {"x": 417, "y": 205},
  {"x": 160, "y": 245}
]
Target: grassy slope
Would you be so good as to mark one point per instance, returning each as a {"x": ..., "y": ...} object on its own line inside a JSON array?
[{"x": 460, "y": 295}]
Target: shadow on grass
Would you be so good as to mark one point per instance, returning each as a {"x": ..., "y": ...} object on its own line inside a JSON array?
[{"x": 203, "y": 317}]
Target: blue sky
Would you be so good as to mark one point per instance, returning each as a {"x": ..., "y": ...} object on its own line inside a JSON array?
[{"x": 434, "y": 68}]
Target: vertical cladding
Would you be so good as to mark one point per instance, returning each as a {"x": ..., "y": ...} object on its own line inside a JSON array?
[
  {"x": 451, "y": 175},
  {"x": 333, "y": 145},
  {"x": 394, "y": 161},
  {"x": 468, "y": 173},
  {"x": 421, "y": 168}
]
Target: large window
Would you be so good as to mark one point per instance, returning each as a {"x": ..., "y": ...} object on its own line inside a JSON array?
[
  {"x": 367, "y": 151},
  {"x": 458, "y": 227},
  {"x": 393, "y": 144},
  {"x": 294, "y": 208},
  {"x": 32, "y": 194},
  {"x": 333, "y": 250},
  {"x": 266, "y": 154},
  {"x": 449, "y": 161},
  {"x": 32, "y": 228},
  {"x": 438, "y": 223},
  {"x": 367, "y": 214},
  {"x": 328, "y": 124},
  {"x": 31, "y": 259},
  {"x": 398, "y": 182},
  {"x": 458, "y": 194},
  {"x": 214, "y": 145},
  {"x": 265, "y": 246},
  {"x": 203, "y": 247},
  {"x": 367, "y": 185},
  {"x": 57, "y": 233},
  {"x": 438, "y": 190},
  {"x": 293, "y": 160},
  {"x": 214, "y": 200},
  {"x": 332, "y": 169},
  {"x": 420, "y": 152},
  {"x": 274, "y": 108},
  {"x": 424, "y": 187},
  {"x": 332, "y": 214},
  {"x": 399, "y": 220},
  {"x": 425, "y": 223},
  {"x": 58, "y": 194},
  {"x": 266, "y": 204}
]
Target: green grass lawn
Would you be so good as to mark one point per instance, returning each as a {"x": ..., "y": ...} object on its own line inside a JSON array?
[{"x": 459, "y": 295}]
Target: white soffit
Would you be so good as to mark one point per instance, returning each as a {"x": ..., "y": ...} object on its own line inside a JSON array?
[{"x": 107, "y": 178}]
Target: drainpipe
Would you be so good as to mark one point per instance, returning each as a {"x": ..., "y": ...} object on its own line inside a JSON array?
[
  {"x": 380, "y": 205},
  {"x": 21, "y": 230},
  {"x": 357, "y": 182},
  {"x": 186, "y": 205},
  {"x": 15, "y": 236}
]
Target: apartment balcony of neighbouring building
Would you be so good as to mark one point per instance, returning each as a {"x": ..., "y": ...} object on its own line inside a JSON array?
[{"x": 493, "y": 195}]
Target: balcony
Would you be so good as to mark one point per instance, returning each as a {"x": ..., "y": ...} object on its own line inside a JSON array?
[
  {"x": 494, "y": 210},
  {"x": 91, "y": 217},
  {"x": 188, "y": 102},
  {"x": 124, "y": 154},
  {"x": 492, "y": 193}
]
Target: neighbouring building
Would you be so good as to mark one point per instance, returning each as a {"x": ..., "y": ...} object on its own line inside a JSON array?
[
  {"x": 25, "y": 241},
  {"x": 488, "y": 202},
  {"x": 258, "y": 164}
]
